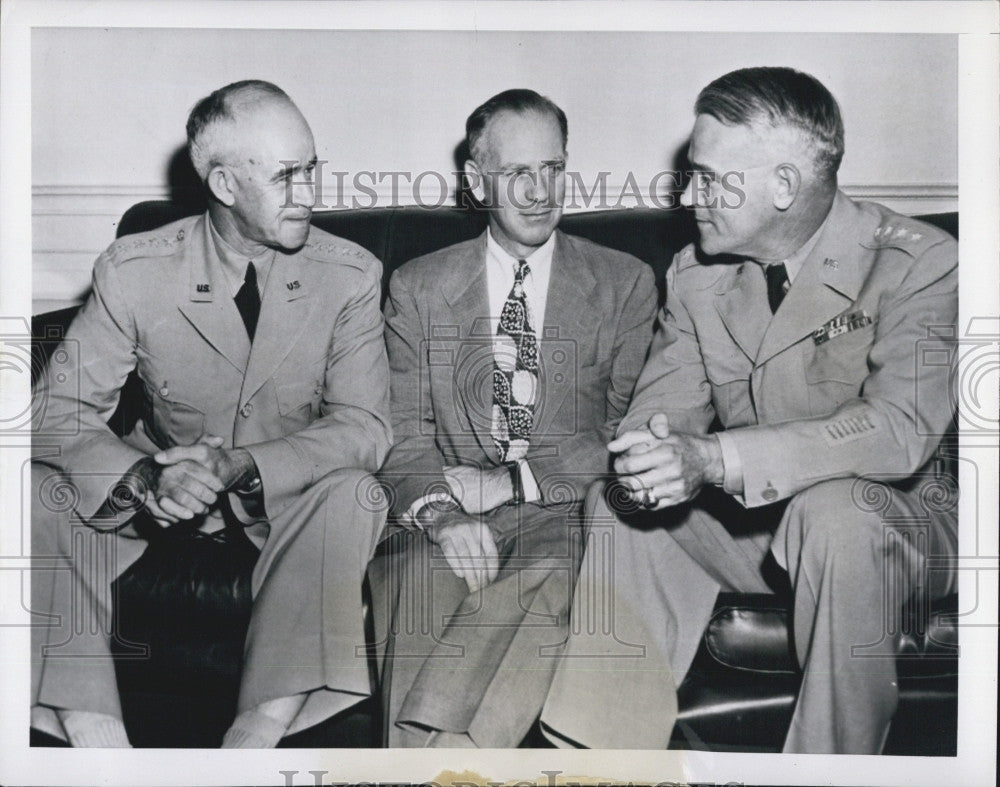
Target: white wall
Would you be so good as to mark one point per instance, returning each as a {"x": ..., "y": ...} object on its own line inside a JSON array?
[{"x": 109, "y": 105}]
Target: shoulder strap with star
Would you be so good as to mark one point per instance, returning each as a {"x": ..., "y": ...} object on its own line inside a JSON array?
[
  {"x": 906, "y": 234},
  {"x": 155, "y": 243}
]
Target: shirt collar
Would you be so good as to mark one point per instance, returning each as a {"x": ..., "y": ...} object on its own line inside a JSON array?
[
  {"x": 539, "y": 261},
  {"x": 234, "y": 264},
  {"x": 793, "y": 264}
]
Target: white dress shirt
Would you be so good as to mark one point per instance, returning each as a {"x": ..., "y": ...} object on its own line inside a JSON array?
[
  {"x": 234, "y": 264},
  {"x": 500, "y": 269}
]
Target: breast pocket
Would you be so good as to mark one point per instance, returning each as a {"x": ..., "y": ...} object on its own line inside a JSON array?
[
  {"x": 730, "y": 381},
  {"x": 171, "y": 417},
  {"x": 298, "y": 404},
  {"x": 836, "y": 369}
]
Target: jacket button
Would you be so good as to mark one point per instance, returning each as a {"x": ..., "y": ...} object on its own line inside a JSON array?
[
  {"x": 246, "y": 410},
  {"x": 180, "y": 234},
  {"x": 770, "y": 493}
]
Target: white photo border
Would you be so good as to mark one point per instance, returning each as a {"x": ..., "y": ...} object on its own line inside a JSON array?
[{"x": 975, "y": 25}]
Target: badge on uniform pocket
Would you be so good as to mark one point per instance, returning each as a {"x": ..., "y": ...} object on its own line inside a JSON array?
[{"x": 844, "y": 323}]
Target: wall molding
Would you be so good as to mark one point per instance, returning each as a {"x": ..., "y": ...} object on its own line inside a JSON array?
[
  {"x": 97, "y": 200},
  {"x": 905, "y": 192},
  {"x": 72, "y": 224}
]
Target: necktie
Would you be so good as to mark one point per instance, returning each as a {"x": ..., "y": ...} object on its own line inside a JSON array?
[
  {"x": 777, "y": 284},
  {"x": 248, "y": 301},
  {"x": 515, "y": 373}
]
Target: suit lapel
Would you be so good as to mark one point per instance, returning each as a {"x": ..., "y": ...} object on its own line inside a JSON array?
[
  {"x": 467, "y": 295},
  {"x": 828, "y": 282},
  {"x": 572, "y": 314},
  {"x": 284, "y": 312},
  {"x": 209, "y": 308}
]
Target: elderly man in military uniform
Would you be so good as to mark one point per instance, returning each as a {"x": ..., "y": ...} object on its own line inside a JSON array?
[
  {"x": 258, "y": 341},
  {"x": 777, "y": 420}
]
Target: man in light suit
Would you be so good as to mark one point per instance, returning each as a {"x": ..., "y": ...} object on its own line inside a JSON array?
[
  {"x": 258, "y": 341},
  {"x": 512, "y": 357},
  {"x": 799, "y": 322}
]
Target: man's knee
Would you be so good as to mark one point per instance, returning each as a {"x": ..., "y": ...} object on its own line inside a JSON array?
[
  {"x": 353, "y": 497},
  {"x": 352, "y": 489},
  {"x": 841, "y": 513}
]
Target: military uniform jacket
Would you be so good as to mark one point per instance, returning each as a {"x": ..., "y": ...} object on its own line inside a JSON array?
[
  {"x": 309, "y": 397},
  {"x": 849, "y": 377}
]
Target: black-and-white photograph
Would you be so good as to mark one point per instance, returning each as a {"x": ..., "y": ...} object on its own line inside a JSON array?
[{"x": 593, "y": 397}]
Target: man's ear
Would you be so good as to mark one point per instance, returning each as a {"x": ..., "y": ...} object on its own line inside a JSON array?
[
  {"x": 221, "y": 185},
  {"x": 476, "y": 180},
  {"x": 787, "y": 180}
]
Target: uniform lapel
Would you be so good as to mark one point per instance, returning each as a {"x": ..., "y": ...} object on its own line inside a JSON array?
[
  {"x": 284, "y": 310},
  {"x": 209, "y": 307},
  {"x": 572, "y": 314},
  {"x": 828, "y": 282},
  {"x": 742, "y": 305},
  {"x": 466, "y": 293}
]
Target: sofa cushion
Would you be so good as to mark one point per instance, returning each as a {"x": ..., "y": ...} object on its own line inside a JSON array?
[{"x": 749, "y": 632}]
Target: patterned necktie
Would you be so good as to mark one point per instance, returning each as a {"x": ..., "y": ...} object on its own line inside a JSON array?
[
  {"x": 515, "y": 373},
  {"x": 777, "y": 284},
  {"x": 248, "y": 301}
]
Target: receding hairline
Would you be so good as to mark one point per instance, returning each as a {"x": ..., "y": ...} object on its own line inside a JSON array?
[
  {"x": 228, "y": 108},
  {"x": 484, "y": 135}
]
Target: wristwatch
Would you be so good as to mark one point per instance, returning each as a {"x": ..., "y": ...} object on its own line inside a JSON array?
[{"x": 251, "y": 487}]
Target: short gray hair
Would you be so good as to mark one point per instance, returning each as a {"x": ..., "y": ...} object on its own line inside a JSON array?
[
  {"x": 780, "y": 96},
  {"x": 221, "y": 106}
]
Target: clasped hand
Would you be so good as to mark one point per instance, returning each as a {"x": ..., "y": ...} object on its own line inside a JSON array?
[
  {"x": 185, "y": 481},
  {"x": 663, "y": 468},
  {"x": 468, "y": 546},
  {"x": 457, "y": 527}
]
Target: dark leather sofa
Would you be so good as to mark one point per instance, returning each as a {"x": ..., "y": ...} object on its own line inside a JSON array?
[{"x": 739, "y": 695}]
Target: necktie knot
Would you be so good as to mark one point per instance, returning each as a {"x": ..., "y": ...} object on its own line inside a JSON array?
[
  {"x": 248, "y": 300},
  {"x": 522, "y": 270},
  {"x": 777, "y": 284}
]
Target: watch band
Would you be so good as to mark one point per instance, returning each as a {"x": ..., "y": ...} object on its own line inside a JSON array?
[{"x": 517, "y": 486}]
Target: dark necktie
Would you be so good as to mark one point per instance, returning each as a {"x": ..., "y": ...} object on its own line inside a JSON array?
[
  {"x": 777, "y": 284},
  {"x": 515, "y": 380},
  {"x": 248, "y": 301}
]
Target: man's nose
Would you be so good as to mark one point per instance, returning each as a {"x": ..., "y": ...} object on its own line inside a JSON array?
[
  {"x": 304, "y": 193},
  {"x": 537, "y": 189}
]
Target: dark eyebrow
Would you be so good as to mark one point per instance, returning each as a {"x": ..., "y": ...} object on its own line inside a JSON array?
[
  {"x": 512, "y": 165},
  {"x": 284, "y": 172}
]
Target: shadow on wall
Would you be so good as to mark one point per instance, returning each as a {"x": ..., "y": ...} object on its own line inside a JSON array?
[{"x": 186, "y": 190}]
